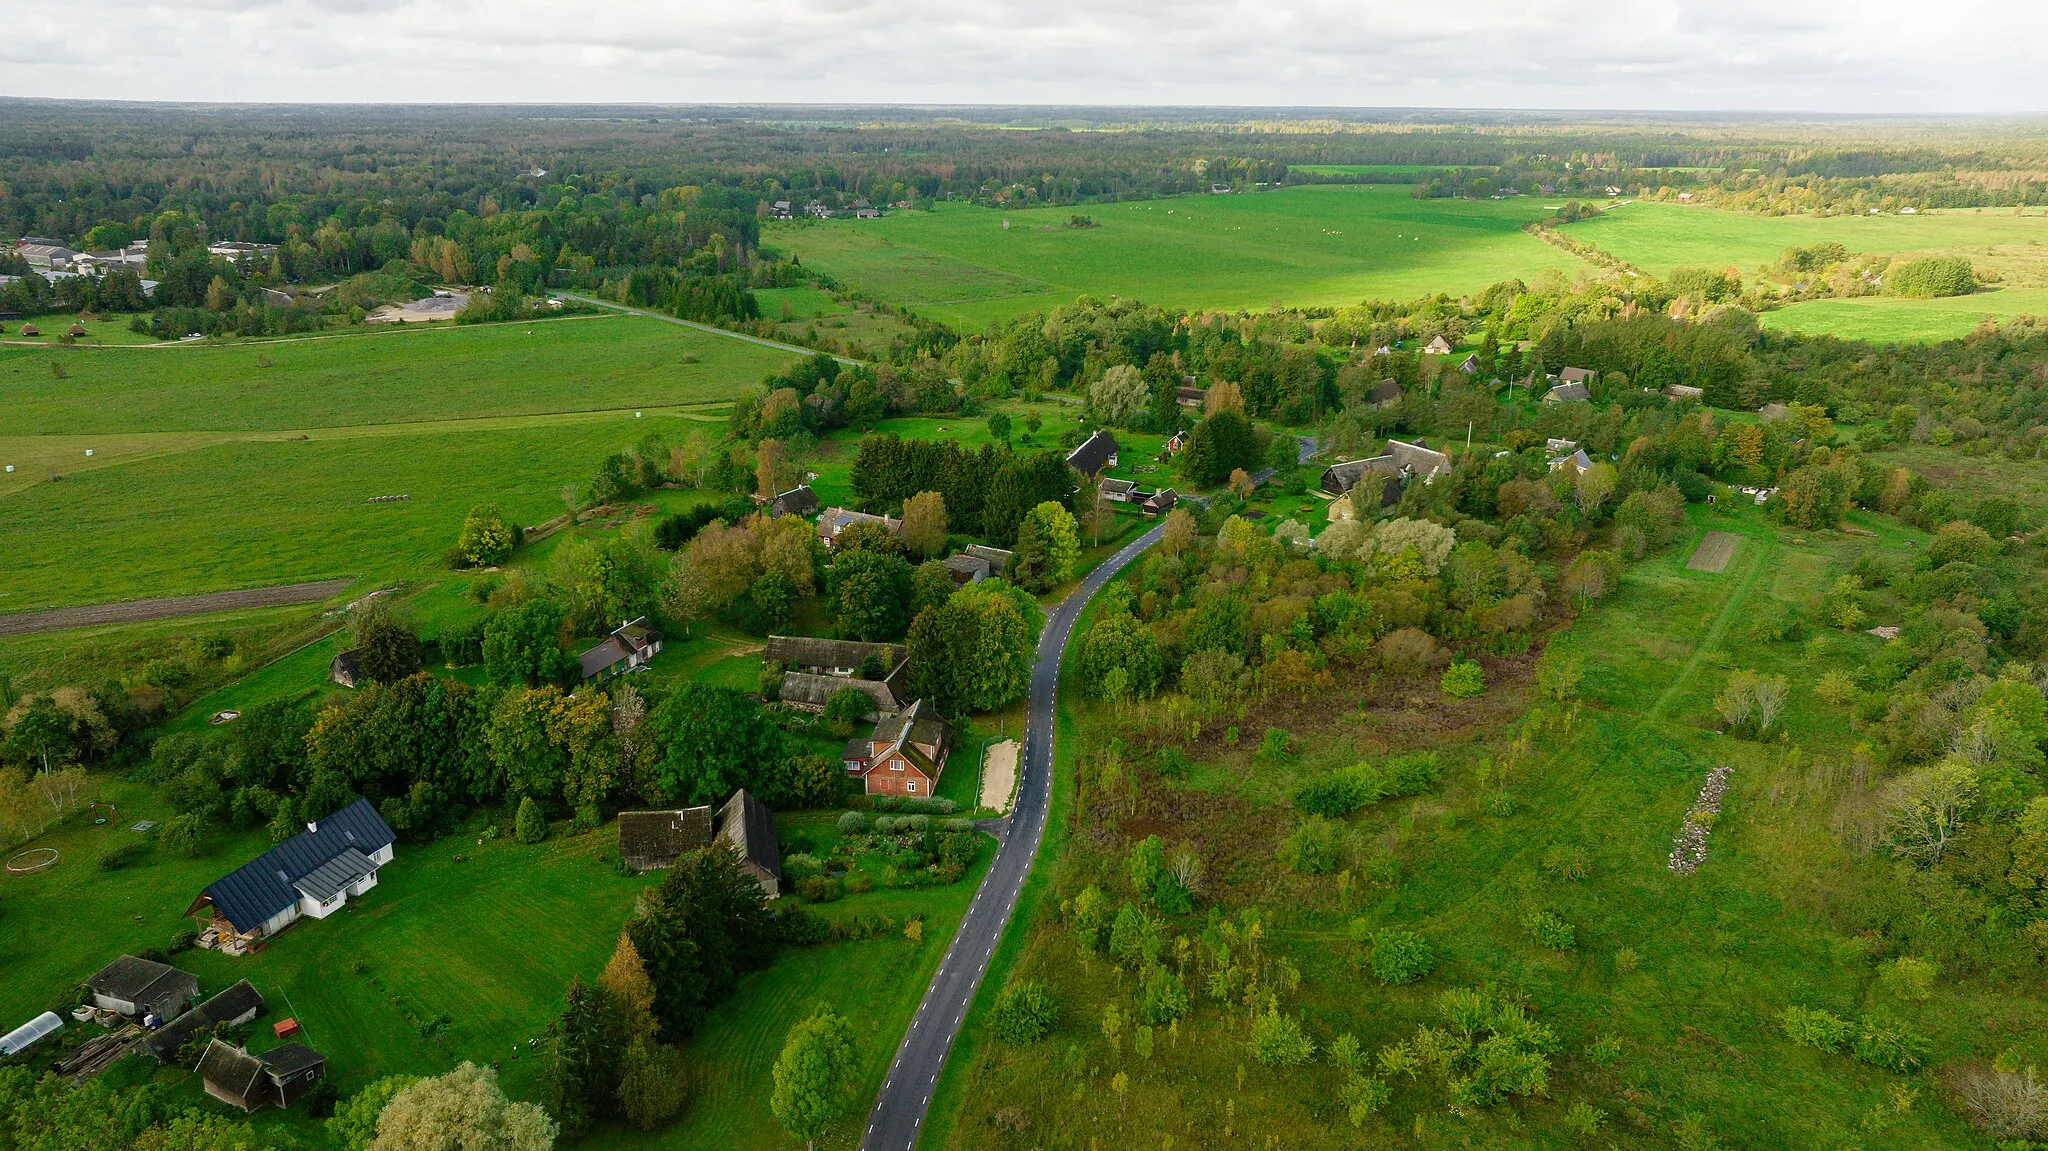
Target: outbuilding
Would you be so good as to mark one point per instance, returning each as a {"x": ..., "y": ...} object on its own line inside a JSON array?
[
  {"x": 139, "y": 988},
  {"x": 651, "y": 840}
]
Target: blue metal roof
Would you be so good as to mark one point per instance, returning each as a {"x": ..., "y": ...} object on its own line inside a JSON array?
[{"x": 259, "y": 889}]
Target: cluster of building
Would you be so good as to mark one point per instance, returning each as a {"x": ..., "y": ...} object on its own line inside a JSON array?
[
  {"x": 51, "y": 260},
  {"x": 819, "y": 210},
  {"x": 652, "y": 840}
]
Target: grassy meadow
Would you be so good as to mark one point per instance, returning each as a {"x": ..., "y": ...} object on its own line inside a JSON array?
[
  {"x": 1658, "y": 237},
  {"x": 1322, "y": 245},
  {"x": 1667, "y": 1008}
]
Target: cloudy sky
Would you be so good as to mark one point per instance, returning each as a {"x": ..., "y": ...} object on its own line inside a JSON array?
[{"x": 1692, "y": 55}]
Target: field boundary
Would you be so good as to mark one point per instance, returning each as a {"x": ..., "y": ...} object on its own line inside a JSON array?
[
  {"x": 708, "y": 328},
  {"x": 170, "y": 607}
]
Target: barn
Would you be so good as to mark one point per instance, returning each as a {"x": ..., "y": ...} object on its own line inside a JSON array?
[{"x": 139, "y": 988}]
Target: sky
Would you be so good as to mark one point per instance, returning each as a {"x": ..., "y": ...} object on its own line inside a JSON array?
[{"x": 1878, "y": 56}]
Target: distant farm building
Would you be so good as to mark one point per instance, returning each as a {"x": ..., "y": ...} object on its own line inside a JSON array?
[
  {"x": 142, "y": 988},
  {"x": 1567, "y": 393},
  {"x": 905, "y": 754},
  {"x": 277, "y": 1078},
  {"x": 1158, "y": 503},
  {"x": 1189, "y": 397},
  {"x": 1437, "y": 346},
  {"x": 836, "y": 520},
  {"x": 347, "y": 668},
  {"x": 748, "y": 827},
  {"x": 1118, "y": 491},
  {"x": 797, "y": 501},
  {"x": 1401, "y": 462},
  {"x": 1387, "y": 391},
  {"x": 1094, "y": 455},
  {"x": 231, "y": 1008},
  {"x": 1578, "y": 461},
  {"x": 309, "y": 876},
  {"x": 629, "y": 647},
  {"x": 1684, "y": 392},
  {"x": 651, "y": 840}
]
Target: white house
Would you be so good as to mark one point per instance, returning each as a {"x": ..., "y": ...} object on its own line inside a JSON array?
[{"x": 309, "y": 876}]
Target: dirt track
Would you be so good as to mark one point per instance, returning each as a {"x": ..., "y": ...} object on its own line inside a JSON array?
[{"x": 136, "y": 611}]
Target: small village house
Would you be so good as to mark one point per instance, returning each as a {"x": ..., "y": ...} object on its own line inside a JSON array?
[
  {"x": 1095, "y": 455},
  {"x": 1190, "y": 397},
  {"x": 832, "y": 521},
  {"x": 905, "y": 754},
  {"x": 797, "y": 501},
  {"x": 1567, "y": 393},
  {"x": 1401, "y": 462},
  {"x": 1158, "y": 503},
  {"x": 1437, "y": 346},
  {"x": 966, "y": 569},
  {"x": 231, "y": 1008},
  {"x": 347, "y": 667},
  {"x": 142, "y": 988},
  {"x": 309, "y": 876},
  {"x": 1685, "y": 392},
  {"x": 814, "y": 670},
  {"x": 629, "y": 647},
  {"x": 1385, "y": 393},
  {"x": 1119, "y": 491},
  {"x": 747, "y": 826},
  {"x": 1578, "y": 461},
  {"x": 276, "y": 1078}
]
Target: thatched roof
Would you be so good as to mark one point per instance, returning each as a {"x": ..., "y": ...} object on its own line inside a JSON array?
[
  {"x": 807, "y": 690},
  {"x": 803, "y": 651},
  {"x": 656, "y": 838}
]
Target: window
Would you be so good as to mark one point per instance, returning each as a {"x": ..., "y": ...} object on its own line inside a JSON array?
[{"x": 910, "y": 785}]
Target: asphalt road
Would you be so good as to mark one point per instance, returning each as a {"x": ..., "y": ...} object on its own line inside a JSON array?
[
  {"x": 711, "y": 328},
  {"x": 907, "y": 1091}
]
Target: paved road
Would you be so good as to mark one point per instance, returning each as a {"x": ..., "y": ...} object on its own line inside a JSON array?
[
  {"x": 134, "y": 611},
  {"x": 711, "y": 328},
  {"x": 907, "y": 1092}
]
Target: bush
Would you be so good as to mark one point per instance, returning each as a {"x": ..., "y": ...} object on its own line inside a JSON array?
[
  {"x": 1163, "y": 998},
  {"x": 531, "y": 824},
  {"x": 1278, "y": 1041},
  {"x": 910, "y": 804},
  {"x": 1400, "y": 956},
  {"x": 802, "y": 865},
  {"x": 1463, "y": 681},
  {"x": 1024, "y": 1013},
  {"x": 183, "y": 940},
  {"x": 1813, "y": 1028},
  {"x": 1312, "y": 847},
  {"x": 1909, "y": 977},
  {"x": 853, "y": 823},
  {"x": 1882, "y": 1041},
  {"x": 1931, "y": 276},
  {"x": 1274, "y": 746},
  {"x": 1549, "y": 929},
  {"x": 820, "y": 889},
  {"x": 1340, "y": 792},
  {"x": 1412, "y": 774},
  {"x": 1567, "y": 861}
]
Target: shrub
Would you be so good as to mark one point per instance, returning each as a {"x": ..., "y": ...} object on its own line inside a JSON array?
[
  {"x": 1931, "y": 276},
  {"x": 1312, "y": 847},
  {"x": 1810, "y": 1027},
  {"x": 1500, "y": 804},
  {"x": 1567, "y": 861},
  {"x": 802, "y": 865},
  {"x": 820, "y": 889},
  {"x": 1909, "y": 977},
  {"x": 2006, "y": 1104},
  {"x": 853, "y": 823},
  {"x": 1412, "y": 774},
  {"x": 1882, "y": 1041},
  {"x": 1340, "y": 792},
  {"x": 1363, "y": 1096},
  {"x": 530, "y": 825},
  {"x": 1024, "y": 1013},
  {"x": 1463, "y": 681},
  {"x": 1164, "y": 997},
  {"x": 1278, "y": 1041},
  {"x": 1400, "y": 956},
  {"x": 182, "y": 941},
  {"x": 1550, "y": 929},
  {"x": 1274, "y": 746}
]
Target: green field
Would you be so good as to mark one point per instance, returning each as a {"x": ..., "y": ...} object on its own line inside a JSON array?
[
  {"x": 1658, "y": 237},
  {"x": 1316, "y": 245},
  {"x": 1365, "y": 169}
]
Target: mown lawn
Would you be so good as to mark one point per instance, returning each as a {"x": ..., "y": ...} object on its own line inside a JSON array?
[{"x": 1315, "y": 245}]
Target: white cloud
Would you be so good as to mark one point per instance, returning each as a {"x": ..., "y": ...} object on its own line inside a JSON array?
[{"x": 1692, "y": 55}]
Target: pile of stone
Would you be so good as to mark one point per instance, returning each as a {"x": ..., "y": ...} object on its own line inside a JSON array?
[{"x": 1689, "y": 848}]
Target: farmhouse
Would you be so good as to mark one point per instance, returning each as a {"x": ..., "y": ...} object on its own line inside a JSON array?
[
  {"x": 1437, "y": 346},
  {"x": 650, "y": 840},
  {"x": 1119, "y": 491},
  {"x": 1190, "y": 397},
  {"x": 1387, "y": 391},
  {"x": 310, "y": 875},
  {"x": 967, "y": 569},
  {"x": 1158, "y": 503},
  {"x": 817, "y": 669},
  {"x": 1684, "y": 392},
  {"x": 748, "y": 827},
  {"x": 629, "y": 647},
  {"x": 1567, "y": 393},
  {"x": 797, "y": 501},
  {"x": 276, "y": 1078},
  {"x": 232, "y": 1008},
  {"x": 1470, "y": 366},
  {"x": 347, "y": 667},
  {"x": 836, "y": 520},
  {"x": 905, "y": 754},
  {"x": 1096, "y": 454},
  {"x": 141, "y": 988},
  {"x": 1401, "y": 461},
  {"x": 1578, "y": 461}
]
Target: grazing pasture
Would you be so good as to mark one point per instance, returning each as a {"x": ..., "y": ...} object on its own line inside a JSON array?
[{"x": 1319, "y": 244}]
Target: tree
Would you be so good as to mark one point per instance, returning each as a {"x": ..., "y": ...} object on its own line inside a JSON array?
[
  {"x": 1218, "y": 446},
  {"x": 870, "y": 594},
  {"x": 703, "y": 926},
  {"x": 1463, "y": 680},
  {"x": 522, "y": 645},
  {"x": 999, "y": 427},
  {"x": 587, "y": 1048},
  {"x": 924, "y": 525},
  {"x": 814, "y": 1076},
  {"x": 354, "y": 1124},
  {"x": 1179, "y": 534},
  {"x": 1024, "y": 1013},
  {"x": 1119, "y": 396},
  {"x": 1594, "y": 486},
  {"x": 654, "y": 1084},
  {"x": 1926, "y": 809},
  {"x": 1120, "y": 643},
  {"x": 486, "y": 539},
  {"x": 1222, "y": 396},
  {"x": 388, "y": 649},
  {"x": 931, "y": 584},
  {"x": 1278, "y": 1040},
  {"x": 532, "y": 822},
  {"x": 463, "y": 1110},
  {"x": 625, "y": 976},
  {"x": 1047, "y": 547},
  {"x": 712, "y": 741}
]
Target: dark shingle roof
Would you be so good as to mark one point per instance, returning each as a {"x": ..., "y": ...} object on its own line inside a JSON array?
[
  {"x": 797, "y": 501},
  {"x": 817, "y": 690},
  {"x": 812, "y": 651},
  {"x": 663, "y": 834},
  {"x": 134, "y": 979},
  {"x": 749, "y": 826},
  {"x": 231, "y": 1069},
  {"x": 291, "y": 1059},
  {"x": 237, "y": 1001},
  {"x": 602, "y": 656},
  {"x": 249, "y": 895},
  {"x": 1385, "y": 392},
  {"x": 1567, "y": 393},
  {"x": 333, "y": 877},
  {"x": 1093, "y": 455}
]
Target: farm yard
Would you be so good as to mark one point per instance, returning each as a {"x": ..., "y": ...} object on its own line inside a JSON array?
[{"x": 1316, "y": 245}]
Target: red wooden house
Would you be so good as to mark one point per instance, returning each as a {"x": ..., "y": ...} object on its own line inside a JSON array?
[{"x": 904, "y": 756}]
